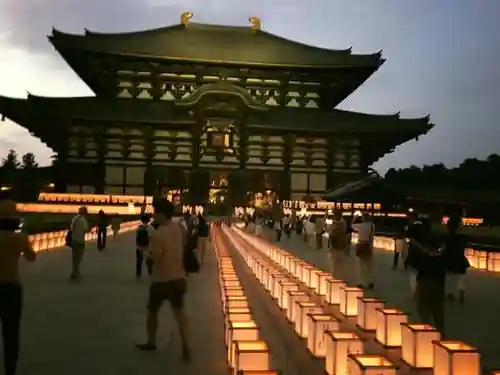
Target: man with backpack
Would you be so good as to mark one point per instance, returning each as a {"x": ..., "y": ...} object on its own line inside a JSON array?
[
  {"x": 76, "y": 240},
  {"x": 142, "y": 236}
]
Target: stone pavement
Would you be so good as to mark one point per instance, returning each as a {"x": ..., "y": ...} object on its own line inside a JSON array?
[
  {"x": 476, "y": 323},
  {"x": 92, "y": 327}
]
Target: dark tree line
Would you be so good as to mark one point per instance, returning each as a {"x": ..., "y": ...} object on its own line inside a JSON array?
[
  {"x": 472, "y": 173},
  {"x": 21, "y": 175}
]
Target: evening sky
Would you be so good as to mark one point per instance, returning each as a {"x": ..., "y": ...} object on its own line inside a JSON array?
[{"x": 442, "y": 58}]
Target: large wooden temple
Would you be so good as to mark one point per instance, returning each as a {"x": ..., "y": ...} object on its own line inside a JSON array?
[{"x": 194, "y": 107}]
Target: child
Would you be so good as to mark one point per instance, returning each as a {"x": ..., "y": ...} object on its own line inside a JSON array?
[{"x": 431, "y": 268}]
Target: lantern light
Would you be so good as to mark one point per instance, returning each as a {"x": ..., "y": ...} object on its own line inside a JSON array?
[
  {"x": 318, "y": 325},
  {"x": 417, "y": 344},
  {"x": 286, "y": 286},
  {"x": 349, "y": 300},
  {"x": 367, "y": 314},
  {"x": 300, "y": 310},
  {"x": 250, "y": 355},
  {"x": 388, "y": 331},
  {"x": 240, "y": 331},
  {"x": 291, "y": 298},
  {"x": 258, "y": 372},
  {"x": 370, "y": 364},
  {"x": 322, "y": 284},
  {"x": 455, "y": 358},
  {"x": 333, "y": 291},
  {"x": 338, "y": 346},
  {"x": 313, "y": 278}
]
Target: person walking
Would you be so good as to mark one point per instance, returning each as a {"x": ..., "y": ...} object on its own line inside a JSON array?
[
  {"x": 309, "y": 232},
  {"x": 79, "y": 228},
  {"x": 102, "y": 230},
  {"x": 416, "y": 233},
  {"x": 339, "y": 246},
  {"x": 203, "y": 238},
  {"x": 319, "y": 229},
  {"x": 14, "y": 245},
  {"x": 166, "y": 249},
  {"x": 456, "y": 261},
  {"x": 364, "y": 251},
  {"x": 116, "y": 223},
  {"x": 400, "y": 246},
  {"x": 430, "y": 266},
  {"x": 143, "y": 234}
]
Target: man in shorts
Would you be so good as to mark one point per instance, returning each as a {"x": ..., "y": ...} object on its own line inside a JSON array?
[{"x": 166, "y": 249}]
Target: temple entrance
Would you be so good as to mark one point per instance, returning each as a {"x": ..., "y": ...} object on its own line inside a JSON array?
[{"x": 218, "y": 202}]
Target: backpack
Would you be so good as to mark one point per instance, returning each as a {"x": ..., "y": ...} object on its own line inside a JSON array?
[
  {"x": 68, "y": 240},
  {"x": 142, "y": 236},
  {"x": 191, "y": 264}
]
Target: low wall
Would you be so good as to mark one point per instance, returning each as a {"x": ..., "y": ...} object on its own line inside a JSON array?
[
  {"x": 481, "y": 258},
  {"x": 53, "y": 240}
]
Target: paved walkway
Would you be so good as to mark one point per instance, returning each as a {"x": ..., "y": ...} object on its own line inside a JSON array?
[
  {"x": 475, "y": 323},
  {"x": 92, "y": 327}
]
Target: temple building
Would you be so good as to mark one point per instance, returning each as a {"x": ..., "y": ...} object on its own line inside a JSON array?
[{"x": 209, "y": 111}]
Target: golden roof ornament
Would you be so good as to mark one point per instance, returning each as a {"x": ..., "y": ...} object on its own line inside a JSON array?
[
  {"x": 255, "y": 22},
  {"x": 186, "y": 17}
]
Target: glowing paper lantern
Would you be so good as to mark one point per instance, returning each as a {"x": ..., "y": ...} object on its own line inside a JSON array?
[
  {"x": 367, "y": 313},
  {"x": 388, "y": 331},
  {"x": 240, "y": 331},
  {"x": 322, "y": 278},
  {"x": 417, "y": 344},
  {"x": 297, "y": 310},
  {"x": 318, "y": 324},
  {"x": 250, "y": 355},
  {"x": 313, "y": 278},
  {"x": 258, "y": 372},
  {"x": 291, "y": 298},
  {"x": 286, "y": 286},
  {"x": 370, "y": 364},
  {"x": 349, "y": 300},
  {"x": 333, "y": 291},
  {"x": 338, "y": 346},
  {"x": 301, "y": 324},
  {"x": 456, "y": 358},
  {"x": 306, "y": 274},
  {"x": 276, "y": 287}
]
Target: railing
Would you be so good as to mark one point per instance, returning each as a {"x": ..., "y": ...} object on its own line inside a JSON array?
[
  {"x": 484, "y": 259},
  {"x": 52, "y": 240}
]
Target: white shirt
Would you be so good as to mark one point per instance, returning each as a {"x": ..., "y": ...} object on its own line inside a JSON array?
[
  {"x": 79, "y": 227},
  {"x": 365, "y": 230},
  {"x": 309, "y": 227}
]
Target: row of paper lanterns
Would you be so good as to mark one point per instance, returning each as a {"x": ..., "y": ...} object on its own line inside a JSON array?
[
  {"x": 247, "y": 353},
  {"x": 480, "y": 259},
  {"x": 300, "y": 290},
  {"x": 53, "y": 240}
]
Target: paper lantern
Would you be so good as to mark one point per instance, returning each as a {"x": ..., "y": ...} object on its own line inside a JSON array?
[
  {"x": 313, "y": 278},
  {"x": 286, "y": 286},
  {"x": 301, "y": 324},
  {"x": 338, "y": 346},
  {"x": 306, "y": 274},
  {"x": 230, "y": 283},
  {"x": 333, "y": 291},
  {"x": 244, "y": 315},
  {"x": 318, "y": 324},
  {"x": 456, "y": 358},
  {"x": 322, "y": 285},
  {"x": 417, "y": 344},
  {"x": 270, "y": 277},
  {"x": 258, "y": 372},
  {"x": 240, "y": 331},
  {"x": 276, "y": 287},
  {"x": 388, "y": 331},
  {"x": 370, "y": 364},
  {"x": 296, "y": 309},
  {"x": 250, "y": 355},
  {"x": 291, "y": 297},
  {"x": 367, "y": 313},
  {"x": 236, "y": 303},
  {"x": 349, "y": 300}
]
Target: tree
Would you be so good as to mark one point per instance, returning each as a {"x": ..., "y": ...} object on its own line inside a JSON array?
[
  {"x": 11, "y": 161},
  {"x": 29, "y": 161}
]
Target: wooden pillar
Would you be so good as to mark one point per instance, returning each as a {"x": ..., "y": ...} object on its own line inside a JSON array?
[
  {"x": 330, "y": 168},
  {"x": 286, "y": 180},
  {"x": 149, "y": 153},
  {"x": 100, "y": 140}
]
